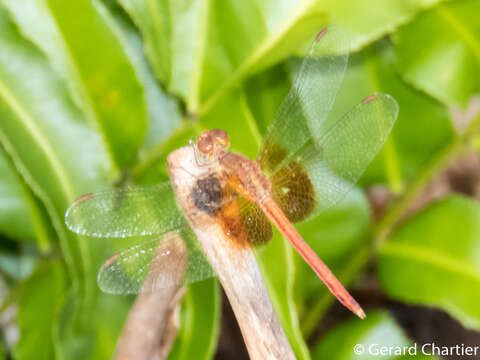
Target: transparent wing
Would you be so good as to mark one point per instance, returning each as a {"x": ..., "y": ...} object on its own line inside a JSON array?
[
  {"x": 302, "y": 114},
  {"x": 124, "y": 212},
  {"x": 159, "y": 262},
  {"x": 320, "y": 173}
]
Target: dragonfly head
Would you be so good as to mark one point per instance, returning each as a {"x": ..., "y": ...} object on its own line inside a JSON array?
[
  {"x": 220, "y": 138},
  {"x": 212, "y": 142}
]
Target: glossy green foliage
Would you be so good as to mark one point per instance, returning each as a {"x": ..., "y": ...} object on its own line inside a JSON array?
[
  {"x": 39, "y": 119},
  {"x": 90, "y": 53},
  {"x": 355, "y": 339},
  {"x": 14, "y": 216},
  {"x": 43, "y": 290},
  {"x": 366, "y": 21},
  {"x": 198, "y": 335},
  {"x": 200, "y": 50},
  {"x": 95, "y": 94},
  {"x": 277, "y": 262},
  {"x": 439, "y": 52},
  {"x": 433, "y": 259}
]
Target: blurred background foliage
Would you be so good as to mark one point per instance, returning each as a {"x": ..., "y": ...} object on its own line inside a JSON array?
[{"x": 97, "y": 93}]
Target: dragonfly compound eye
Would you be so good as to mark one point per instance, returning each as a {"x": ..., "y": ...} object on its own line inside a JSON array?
[
  {"x": 205, "y": 142},
  {"x": 220, "y": 137}
]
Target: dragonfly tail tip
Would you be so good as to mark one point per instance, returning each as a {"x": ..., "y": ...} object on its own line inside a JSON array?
[{"x": 360, "y": 313}]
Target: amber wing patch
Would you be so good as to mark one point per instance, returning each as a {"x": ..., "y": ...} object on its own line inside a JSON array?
[
  {"x": 256, "y": 224},
  {"x": 244, "y": 223},
  {"x": 270, "y": 156},
  {"x": 293, "y": 191}
]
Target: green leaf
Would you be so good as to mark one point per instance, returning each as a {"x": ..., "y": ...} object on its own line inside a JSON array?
[
  {"x": 35, "y": 22},
  {"x": 367, "y": 22},
  {"x": 432, "y": 259},
  {"x": 14, "y": 213},
  {"x": 42, "y": 297},
  {"x": 59, "y": 157},
  {"x": 439, "y": 52},
  {"x": 151, "y": 169},
  {"x": 367, "y": 337},
  {"x": 98, "y": 338},
  {"x": 30, "y": 218},
  {"x": 163, "y": 110},
  {"x": 265, "y": 92},
  {"x": 202, "y": 49},
  {"x": 38, "y": 120},
  {"x": 238, "y": 46},
  {"x": 174, "y": 35},
  {"x": 200, "y": 322},
  {"x": 109, "y": 317},
  {"x": 89, "y": 51}
]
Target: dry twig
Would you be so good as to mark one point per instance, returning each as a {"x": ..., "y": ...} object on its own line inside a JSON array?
[{"x": 236, "y": 268}]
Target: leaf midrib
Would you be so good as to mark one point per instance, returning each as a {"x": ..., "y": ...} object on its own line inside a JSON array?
[
  {"x": 78, "y": 77},
  {"x": 260, "y": 51},
  {"x": 27, "y": 120},
  {"x": 199, "y": 56},
  {"x": 424, "y": 255},
  {"x": 153, "y": 8},
  {"x": 460, "y": 29}
]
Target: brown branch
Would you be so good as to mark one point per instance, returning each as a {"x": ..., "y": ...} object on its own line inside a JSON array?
[
  {"x": 151, "y": 326},
  {"x": 236, "y": 268}
]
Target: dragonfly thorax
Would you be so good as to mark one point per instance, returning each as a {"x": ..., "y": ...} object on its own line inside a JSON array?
[{"x": 245, "y": 176}]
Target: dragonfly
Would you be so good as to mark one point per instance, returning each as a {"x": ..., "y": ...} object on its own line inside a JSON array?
[{"x": 306, "y": 164}]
